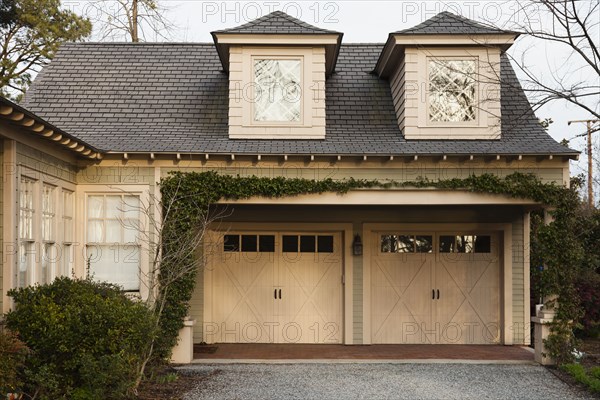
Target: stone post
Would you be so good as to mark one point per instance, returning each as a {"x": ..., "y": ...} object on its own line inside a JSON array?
[
  {"x": 541, "y": 331},
  {"x": 183, "y": 352},
  {"x": 543, "y": 318}
]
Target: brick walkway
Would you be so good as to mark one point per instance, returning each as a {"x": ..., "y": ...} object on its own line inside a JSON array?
[{"x": 360, "y": 352}]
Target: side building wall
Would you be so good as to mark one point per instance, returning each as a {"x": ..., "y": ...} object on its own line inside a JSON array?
[{"x": 121, "y": 174}]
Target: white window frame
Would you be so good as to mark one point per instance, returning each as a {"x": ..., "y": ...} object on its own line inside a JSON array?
[
  {"x": 303, "y": 94},
  {"x": 29, "y": 243},
  {"x": 83, "y": 192},
  {"x": 67, "y": 253},
  {"x": 36, "y": 243},
  {"x": 48, "y": 259},
  {"x": 476, "y": 104},
  {"x": 311, "y": 124},
  {"x": 487, "y": 124}
]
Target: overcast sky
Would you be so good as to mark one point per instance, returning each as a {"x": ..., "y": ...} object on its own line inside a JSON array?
[{"x": 371, "y": 21}]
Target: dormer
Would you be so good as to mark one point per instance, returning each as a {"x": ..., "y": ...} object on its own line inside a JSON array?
[
  {"x": 445, "y": 78},
  {"x": 277, "y": 67}
]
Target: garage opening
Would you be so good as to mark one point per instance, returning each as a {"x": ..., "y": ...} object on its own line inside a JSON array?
[
  {"x": 276, "y": 287},
  {"x": 435, "y": 287}
]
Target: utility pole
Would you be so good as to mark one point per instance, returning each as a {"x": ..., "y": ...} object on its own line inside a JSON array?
[{"x": 589, "y": 123}]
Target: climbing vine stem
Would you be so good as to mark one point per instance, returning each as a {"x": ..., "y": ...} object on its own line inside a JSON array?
[{"x": 191, "y": 194}]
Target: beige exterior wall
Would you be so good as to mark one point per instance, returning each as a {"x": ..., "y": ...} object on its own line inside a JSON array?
[
  {"x": 142, "y": 173},
  {"x": 520, "y": 314},
  {"x": 241, "y": 93},
  {"x": 398, "y": 87},
  {"x": 38, "y": 160},
  {"x": 398, "y": 170},
  {"x": 410, "y": 85}
]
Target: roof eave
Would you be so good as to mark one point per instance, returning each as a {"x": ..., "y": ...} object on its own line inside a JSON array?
[
  {"x": 571, "y": 155},
  {"x": 20, "y": 116},
  {"x": 331, "y": 41}
]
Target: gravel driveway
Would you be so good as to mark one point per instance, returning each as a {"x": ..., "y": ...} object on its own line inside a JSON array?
[{"x": 377, "y": 381}]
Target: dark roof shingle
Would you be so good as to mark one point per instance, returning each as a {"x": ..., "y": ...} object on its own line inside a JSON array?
[
  {"x": 174, "y": 98},
  {"x": 277, "y": 22},
  {"x": 448, "y": 23}
]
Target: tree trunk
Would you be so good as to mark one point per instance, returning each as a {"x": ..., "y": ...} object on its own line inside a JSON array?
[{"x": 134, "y": 21}]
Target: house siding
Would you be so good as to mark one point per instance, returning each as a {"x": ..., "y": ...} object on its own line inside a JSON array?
[
  {"x": 357, "y": 293},
  {"x": 134, "y": 172},
  {"x": 397, "y": 85},
  {"x": 397, "y": 171},
  {"x": 520, "y": 319},
  {"x": 45, "y": 164}
]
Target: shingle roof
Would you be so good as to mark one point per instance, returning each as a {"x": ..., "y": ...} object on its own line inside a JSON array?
[
  {"x": 173, "y": 98},
  {"x": 277, "y": 22},
  {"x": 448, "y": 23}
]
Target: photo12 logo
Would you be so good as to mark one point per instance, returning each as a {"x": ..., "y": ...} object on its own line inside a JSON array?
[{"x": 238, "y": 12}]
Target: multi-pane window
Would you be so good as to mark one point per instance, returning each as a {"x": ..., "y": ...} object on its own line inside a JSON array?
[
  {"x": 48, "y": 234},
  {"x": 249, "y": 243},
  {"x": 465, "y": 244},
  {"x": 452, "y": 90},
  {"x": 26, "y": 232},
  {"x": 307, "y": 243},
  {"x": 67, "y": 256},
  {"x": 113, "y": 242},
  {"x": 277, "y": 90},
  {"x": 406, "y": 244}
]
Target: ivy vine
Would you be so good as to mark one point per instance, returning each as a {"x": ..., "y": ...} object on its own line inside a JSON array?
[{"x": 189, "y": 196}]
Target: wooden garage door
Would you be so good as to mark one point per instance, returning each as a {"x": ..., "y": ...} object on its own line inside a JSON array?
[
  {"x": 435, "y": 288},
  {"x": 277, "y": 287}
]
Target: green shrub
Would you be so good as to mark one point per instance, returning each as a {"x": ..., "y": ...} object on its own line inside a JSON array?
[
  {"x": 12, "y": 359},
  {"x": 588, "y": 287},
  {"x": 87, "y": 339},
  {"x": 577, "y": 371}
]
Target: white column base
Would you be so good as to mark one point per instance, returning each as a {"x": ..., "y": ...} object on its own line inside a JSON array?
[{"x": 183, "y": 352}]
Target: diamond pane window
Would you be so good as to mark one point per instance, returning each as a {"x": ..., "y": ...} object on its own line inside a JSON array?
[
  {"x": 277, "y": 90},
  {"x": 452, "y": 90}
]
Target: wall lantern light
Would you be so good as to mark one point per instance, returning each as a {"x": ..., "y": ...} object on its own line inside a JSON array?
[{"x": 357, "y": 246}]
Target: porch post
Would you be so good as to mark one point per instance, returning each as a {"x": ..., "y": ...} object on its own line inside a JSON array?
[{"x": 544, "y": 318}]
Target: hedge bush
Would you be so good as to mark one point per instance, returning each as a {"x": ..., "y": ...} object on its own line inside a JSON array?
[
  {"x": 588, "y": 287},
  {"x": 87, "y": 339},
  {"x": 12, "y": 359}
]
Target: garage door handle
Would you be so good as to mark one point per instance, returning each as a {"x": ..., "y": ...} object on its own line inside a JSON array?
[
  {"x": 438, "y": 293},
  {"x": 275, "y": 294},
  {"x": 432, "y": 294},
  {"x": 280, "y": 294}
]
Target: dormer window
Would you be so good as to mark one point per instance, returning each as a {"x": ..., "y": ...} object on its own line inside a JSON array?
[
  {"x": 452, "y": 90},
  {"x": 277, "y": 67},
  {"x": 277, "y": 90},
  {"x": 444, "y": 77},
  {"x": 277, "y": 93}
]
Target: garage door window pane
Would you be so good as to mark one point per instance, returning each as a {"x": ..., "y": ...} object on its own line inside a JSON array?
[
  {"x": 231, "y": 243},
  {"x": 325, "y": 244},
  {"x": 424, "y": 244},
  {"x": 266, "y": 243},
  {"x": 447, "y": 244},
  {"x": 307, "y": 244},
  {"x": 405, "y": 244},
  {"x": 483, "y": 244},
  {"x": 387, "y": 243},
  {"x": 249, "y": 243},
  {"x": 464, "y": 244},
  {"x": 290, "y": 244}
]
